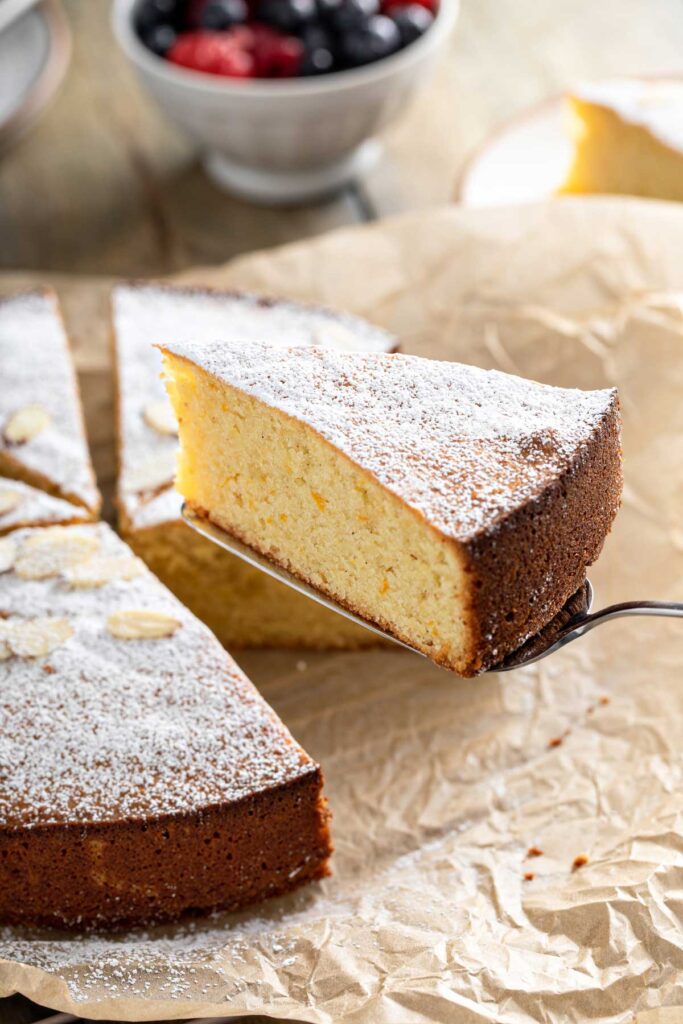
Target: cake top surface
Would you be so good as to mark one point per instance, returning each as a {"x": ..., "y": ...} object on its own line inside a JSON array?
[
  {"x": 41, "y": 423},
  {"x": 655, "y": 104},
  {"x": 462, "y": 446},
  {"x": 23, "y": 505},
  {"x": 145, "y": 315},
  {"x": 117, "y": 702}
]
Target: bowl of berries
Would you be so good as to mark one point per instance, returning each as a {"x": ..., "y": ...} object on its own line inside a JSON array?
[{"x": 283, "y": 98}]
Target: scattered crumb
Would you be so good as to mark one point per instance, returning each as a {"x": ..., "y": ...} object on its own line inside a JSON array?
[
  {"x": 49, "y": 669},
  {"x": 604, "y": 701},
  {"x": 579, "y": 862},
  {"x": 534, "y": 851},
  {"x": 556, "y": 741},
  {"x": 301, "y": 666},
  {"x": 591, "y": 709},
  {"x": 529, "y": 876}
]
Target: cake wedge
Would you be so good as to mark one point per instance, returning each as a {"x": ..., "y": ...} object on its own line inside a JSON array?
[
  {"x": 456, "y": 508},
  {"x": 141, "y": 774},
  {"x": 628, "y": 138},
  {"x": 42, "y": 435}
]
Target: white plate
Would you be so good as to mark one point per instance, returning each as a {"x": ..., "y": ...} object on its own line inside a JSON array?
[
  {"x": 34, "y": 55},
  {"x": 525, "y": 161}
]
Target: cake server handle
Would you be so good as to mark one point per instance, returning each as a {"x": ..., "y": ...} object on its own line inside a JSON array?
[{"x": 584, "y": 622}]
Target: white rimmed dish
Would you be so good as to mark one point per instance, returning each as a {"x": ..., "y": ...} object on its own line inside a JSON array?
[
  {"x": 288, "y": 140},
  {"x": 34, "y": 56}
]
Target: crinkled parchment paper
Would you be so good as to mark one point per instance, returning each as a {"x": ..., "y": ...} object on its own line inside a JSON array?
[{"x": 440, "y": 786}]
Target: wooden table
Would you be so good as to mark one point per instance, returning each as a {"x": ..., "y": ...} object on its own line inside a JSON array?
[{"x": 103, "y": 185}]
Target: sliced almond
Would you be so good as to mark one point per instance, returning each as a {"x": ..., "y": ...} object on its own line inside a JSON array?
[
  {"x": 159, "y": 416},
  {"x": 33, "y": 638},
  {"x": 9, "y": 500},
  {"x": 152, "y": 474},
  {"x": 105, "y": 569},
  {"x": 141, "y": 624},
  {"x": 8, "y": 552},
  {"x": 52, "y": 551},
  {"x": 25, "y": 424}
]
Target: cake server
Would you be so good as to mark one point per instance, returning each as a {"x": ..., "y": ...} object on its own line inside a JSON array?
[{"x": 574, "y": 620}]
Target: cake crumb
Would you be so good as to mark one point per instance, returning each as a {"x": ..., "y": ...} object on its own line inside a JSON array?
[
  {"x": 529, "y": 876},
  {"x": 556, "y": 741},
  {"x": 534, "y": 851},
  {"x": 579, "y": 862},
  {"x": 604, "y": 701}
]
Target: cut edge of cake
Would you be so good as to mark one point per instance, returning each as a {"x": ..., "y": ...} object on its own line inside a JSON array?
[{"x": 454, "y": 613}]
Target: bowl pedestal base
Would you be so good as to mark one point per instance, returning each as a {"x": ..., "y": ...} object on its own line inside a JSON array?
[{"x": 287, "y": 188}]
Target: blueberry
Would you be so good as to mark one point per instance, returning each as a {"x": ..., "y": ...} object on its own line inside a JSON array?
[
  {"x": 317, "y": 62},
  {"x": 350, "y": 14},
  {"x": 287, "y": 15},
  {"x": 151, "y": 13},
  {"x": 378, "y": 38},
  {"x": 159, "y": 39},
  {"x": 413, "y": 20},
  {"x": 223, "y": 14}
]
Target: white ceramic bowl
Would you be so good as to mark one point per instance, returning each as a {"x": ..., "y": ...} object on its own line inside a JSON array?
[{"x": 288, "y": 140}]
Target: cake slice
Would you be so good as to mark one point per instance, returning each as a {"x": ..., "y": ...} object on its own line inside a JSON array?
[
  {"x": 628, "y": 137},
  {"x": 455, "y": 507},
  {"x": 23, "y": 505},
  {"x": 42, "y": 437},
  {"x": 243, "y": 607},
  {"x": 141, "y": 774}
]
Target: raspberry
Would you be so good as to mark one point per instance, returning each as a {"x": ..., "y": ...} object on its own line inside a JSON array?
[
  {"x": 275, "y": 55},
  {"x": 214, "y": 53},
  {"x": 390, "y": 5}
]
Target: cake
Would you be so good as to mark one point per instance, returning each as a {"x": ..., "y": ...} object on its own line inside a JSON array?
[
  {"x": 456, "y": 508},
  {"x": 42, "y": 437},
  {"x": 23, "y": 505},
  {"x": 628, "y": 137},
  {"x": 243, "y": 607},
  {"x": 141, "y": 774}
]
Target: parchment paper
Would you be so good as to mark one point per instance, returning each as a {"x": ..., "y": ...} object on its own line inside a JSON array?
[{"x": 440, "y": 786}]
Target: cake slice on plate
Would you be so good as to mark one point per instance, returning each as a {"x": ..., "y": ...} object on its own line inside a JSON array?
[
  {"x": 455, "y": 507},
  {"x": 628, "y": 137},
  {"x": 243, "y": 607},
  {"x": 141, "y": 774},
  {"x": 42, "y": 437}
]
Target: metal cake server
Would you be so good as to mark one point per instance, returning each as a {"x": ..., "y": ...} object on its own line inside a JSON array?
[{"x": 573, "y": 621}]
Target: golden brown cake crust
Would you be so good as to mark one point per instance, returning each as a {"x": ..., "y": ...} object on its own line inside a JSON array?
[
  {"x": 565, "y": 527},
  {"x": 139, "y": 871}
]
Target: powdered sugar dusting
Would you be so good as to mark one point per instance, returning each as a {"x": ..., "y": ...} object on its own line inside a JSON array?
[
  {"x": 34, "y": 508},
  {"x": 37, "y": 371},
  {"x": 104, "y": 728},
  {"x": 461, "y": 445},
  {"x": 145, "y": 315}
]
